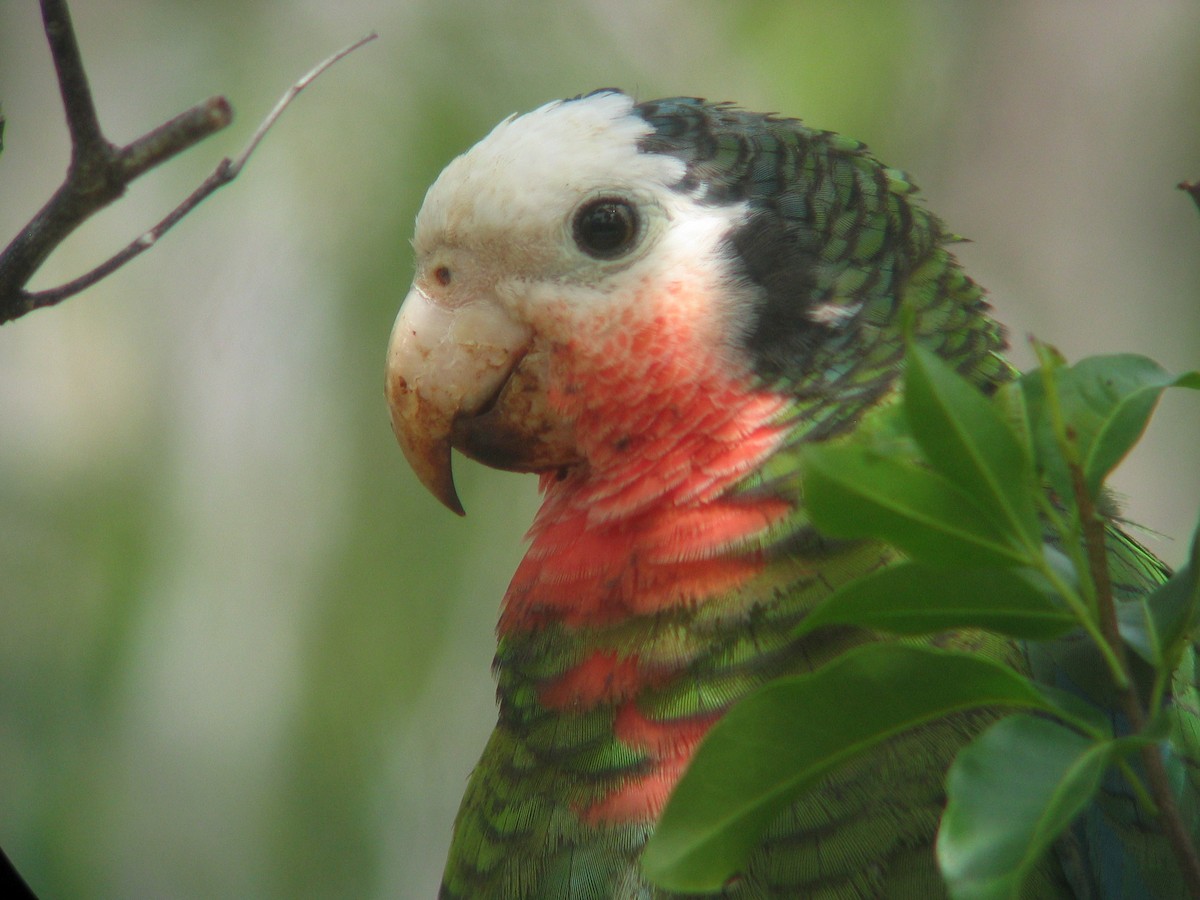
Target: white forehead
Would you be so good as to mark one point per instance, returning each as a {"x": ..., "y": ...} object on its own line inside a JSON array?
[{"x": 538, "y": 165}]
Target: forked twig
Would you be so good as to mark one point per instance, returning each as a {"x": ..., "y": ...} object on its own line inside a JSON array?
[{"x": 100, "y": 171}]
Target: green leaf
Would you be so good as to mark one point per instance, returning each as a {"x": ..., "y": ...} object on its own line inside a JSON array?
[
  {"x": 967, "y": 439},
  {"x": 856, "y": 491},
  {"x": 785, "y": 737},
  {"x": 1160, "y": 625},
  {"x": 1010, "y": 794},
  {"x": 1124, "y": 426},
  {"x": 1048, "y": 454},
  {"x": 1106, "y": 402},
  {"x": 913, "y": 598}
]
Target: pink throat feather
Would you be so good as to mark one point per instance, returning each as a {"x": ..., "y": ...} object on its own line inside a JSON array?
[
  {"x": 667, "y": 430},
  {"x": 649, "y": 525}
]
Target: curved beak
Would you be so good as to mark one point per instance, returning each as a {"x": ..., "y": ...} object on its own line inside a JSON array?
[{"x": 446, "y": 364}]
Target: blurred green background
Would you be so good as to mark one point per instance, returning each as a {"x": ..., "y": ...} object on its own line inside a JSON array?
[{"x": 241, "y": 652}]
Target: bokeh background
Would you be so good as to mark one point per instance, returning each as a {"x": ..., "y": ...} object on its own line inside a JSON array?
[{"x": 241, "y": 652}]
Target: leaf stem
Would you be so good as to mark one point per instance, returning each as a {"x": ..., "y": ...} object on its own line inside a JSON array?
[
  {"x": 1079, "y": 607},
  {"x": 1140, "y": 792},
  {"x": 1072, "y": 534},
  {"x": 1095, "y": 544},
  {"x": 1161, "y": 679},
  {"x": 1096, "y": 580}
]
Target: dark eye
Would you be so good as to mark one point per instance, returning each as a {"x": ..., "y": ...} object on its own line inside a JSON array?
[{"x": 606, "y": 227}]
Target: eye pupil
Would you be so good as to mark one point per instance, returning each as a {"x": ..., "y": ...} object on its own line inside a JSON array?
[
  {"x": 606, "y": 228},
  {"x": 442, "y": 275}
]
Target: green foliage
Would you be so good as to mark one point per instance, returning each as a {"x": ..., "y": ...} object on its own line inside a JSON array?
[
  {"x": 1018, "y": 602},
  {"x": 797, "y": 730},
  {"x": 1106, "y": 401},
  {"x": 996, "y": 826},
  {"x": 994, "y": 503},
  {"x": 858, "y": 491},
  {"x": 972, "y": 444},
  {"x": 1160, "y": 626}
]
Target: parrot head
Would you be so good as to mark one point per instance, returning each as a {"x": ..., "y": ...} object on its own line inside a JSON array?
[
  {"x": 554, "y": 230},
  {"x": 596, "y": 251}
]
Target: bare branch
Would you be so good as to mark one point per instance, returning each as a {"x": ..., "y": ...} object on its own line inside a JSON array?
[
  {"x": 100, "y": 172},
  {"x": 290, "y": 94},
  {"x": 226, "y": 171},
  {"x": 86, "y": 137},
  {"x": 90, "y": 187},
  {"x": 173, "y": 137}
]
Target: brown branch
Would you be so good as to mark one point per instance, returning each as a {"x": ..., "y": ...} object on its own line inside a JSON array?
[
  {"x": 90, "y": 186},
  {"x": 99, "y": 171},
  {"x": 1095, "y": 544},
  {"x": 226, "y": 171},
  {"x": 83, "y": 123}
]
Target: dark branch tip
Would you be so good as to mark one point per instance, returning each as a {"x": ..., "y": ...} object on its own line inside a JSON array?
[{"x": 1192, "y": 189}]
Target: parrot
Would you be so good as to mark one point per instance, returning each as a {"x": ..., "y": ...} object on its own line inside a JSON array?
[{"x": 654, "y": 307}]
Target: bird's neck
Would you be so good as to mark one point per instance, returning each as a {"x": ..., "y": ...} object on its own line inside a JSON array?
[
  {"x": 653, "y": 521},
  {"x": 637, "y": 573}
]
